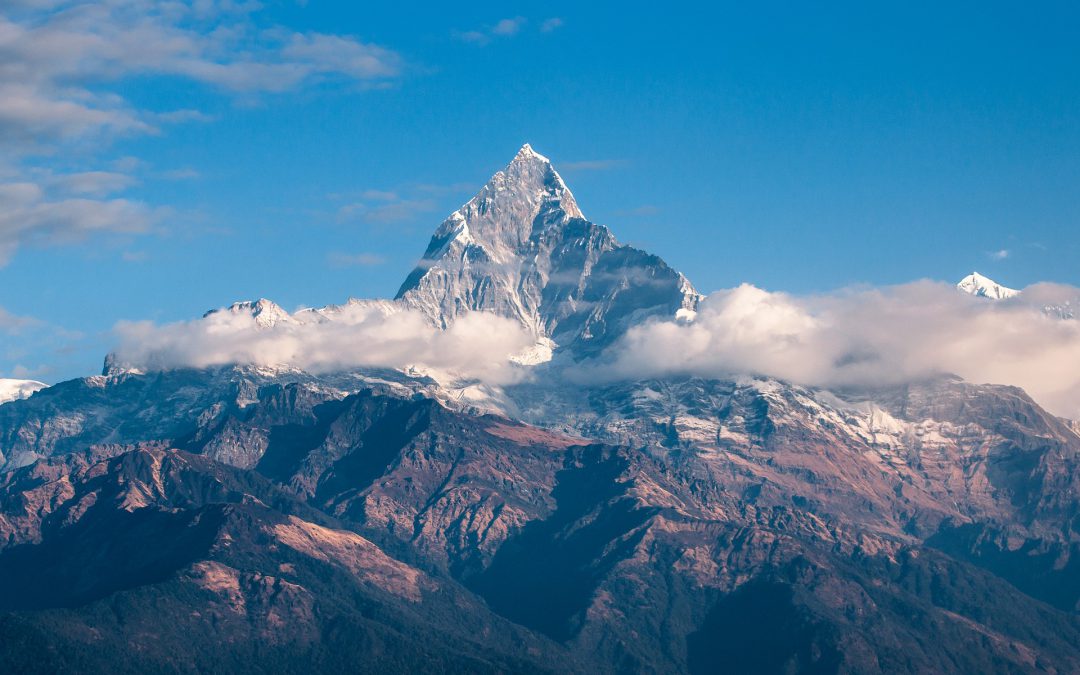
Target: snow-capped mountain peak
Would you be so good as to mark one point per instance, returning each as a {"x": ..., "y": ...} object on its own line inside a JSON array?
[
  {"x": 522, "y": 248},
  {"x": 266, "y": 313},
  {"x": 984, "y": 287},
  {"x": 527, "y": 152}
]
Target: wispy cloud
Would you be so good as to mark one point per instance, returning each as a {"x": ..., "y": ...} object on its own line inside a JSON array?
[
  {"x": 401, "y": 204},
  {"x": 63, "y": 70},
  {"x": 186, "y": 173},
  {"x": 504, "y": 28},
  {"x": 33, "y": 214},
  {"x": 94, "y": 183},
  {"x": 508, "y": 26},
  {"x": 338, "y": 259},
  {"x": 25, "y": 336},
  {"x": 385, "y": 212},
  {"x": 1000, "y": 254},
  {"x": 551, "y": 24},
  {"x": 13, "y": 324}
]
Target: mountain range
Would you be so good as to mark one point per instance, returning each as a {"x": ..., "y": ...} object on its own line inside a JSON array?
[{"x": 247, "y": 518}]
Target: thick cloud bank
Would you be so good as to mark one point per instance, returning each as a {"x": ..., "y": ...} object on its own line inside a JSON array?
[
  {"x": 477, "y": 346},
  {"x": 869, "y": 337}
]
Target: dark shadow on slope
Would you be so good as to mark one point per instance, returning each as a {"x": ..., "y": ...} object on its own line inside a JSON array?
[
  {"x": 289, "y": 444},
  {"x": 547, "y": 575},
  {"x": 759, "y": 629},
  {"x": 377, "y": 448},
  {"x": 1048, "y": 571},
  {"x": 107, "y": 551}
]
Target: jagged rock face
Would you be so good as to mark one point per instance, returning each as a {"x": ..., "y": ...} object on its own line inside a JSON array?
[
  {"x": 899, "y": 461},
  {"x": 195, "y": 409},
  {"x": 521, "y": 248},
  {"x": 155, "y": 560}
]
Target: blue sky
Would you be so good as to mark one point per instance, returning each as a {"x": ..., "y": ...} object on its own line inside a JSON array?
[{"x": 159, "y": 159}]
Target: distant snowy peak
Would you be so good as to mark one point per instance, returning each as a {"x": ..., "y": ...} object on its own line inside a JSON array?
[
  {"x": 266, "y": 313},
  {"x": 983, "y": 287},
  {"x": 13, "y": 390},
  {"x": 978, "y": 285},
  {"x": 351, "y": 306}
]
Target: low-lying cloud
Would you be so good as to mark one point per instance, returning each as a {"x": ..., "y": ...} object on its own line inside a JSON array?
[
  {"x": 477, "y": 346},
  {"x": 868, "y": 337},
  {"x": 853, "y": 338}
]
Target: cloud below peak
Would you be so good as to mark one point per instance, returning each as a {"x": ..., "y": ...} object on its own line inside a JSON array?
[
  {"x": 360, "y": 335},
  {"x": 867, "y": 337}
]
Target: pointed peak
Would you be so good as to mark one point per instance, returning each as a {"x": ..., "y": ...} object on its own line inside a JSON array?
[
  {"x": 526, "y": 152},
  {"x": 978, "y": 285},
  {"x": 266, "y": 313}
]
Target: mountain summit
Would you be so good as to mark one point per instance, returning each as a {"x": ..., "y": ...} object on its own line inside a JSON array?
[
  {"x": 523, "y": 249},
  {"x": 983, "y": 287}
]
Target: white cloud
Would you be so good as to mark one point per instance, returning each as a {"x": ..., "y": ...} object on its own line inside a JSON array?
[
  {"x": 93, "y": 183},
  {"x": 999, "y": 254},
  {"x": 64, "y": 65},
  {"x": 31, "y": 214},
  {"x": 508, "y": 26},
  {"x": 551, "y": 24},
  {"x": 475, "y": 37},
  {"x": 77, "y": 45},
  {"x": 478, "y": 345},
  {"x": 866, "y": 338},
  {"x": 13, "y": 324},
  {"x": 501, "y": 29},
  {"x": 30, "y": 115}
]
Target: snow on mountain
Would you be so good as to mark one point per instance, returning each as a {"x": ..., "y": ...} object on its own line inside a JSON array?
[
  {"x": 337, "y": 312},
  {"x": 13, "y": 390},
  {"x": 266, "y": 313},
  {"x": 978, "y": 285},
  {"x": 522, "y": 248},
  {"x": 1065, "y": 310}
]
